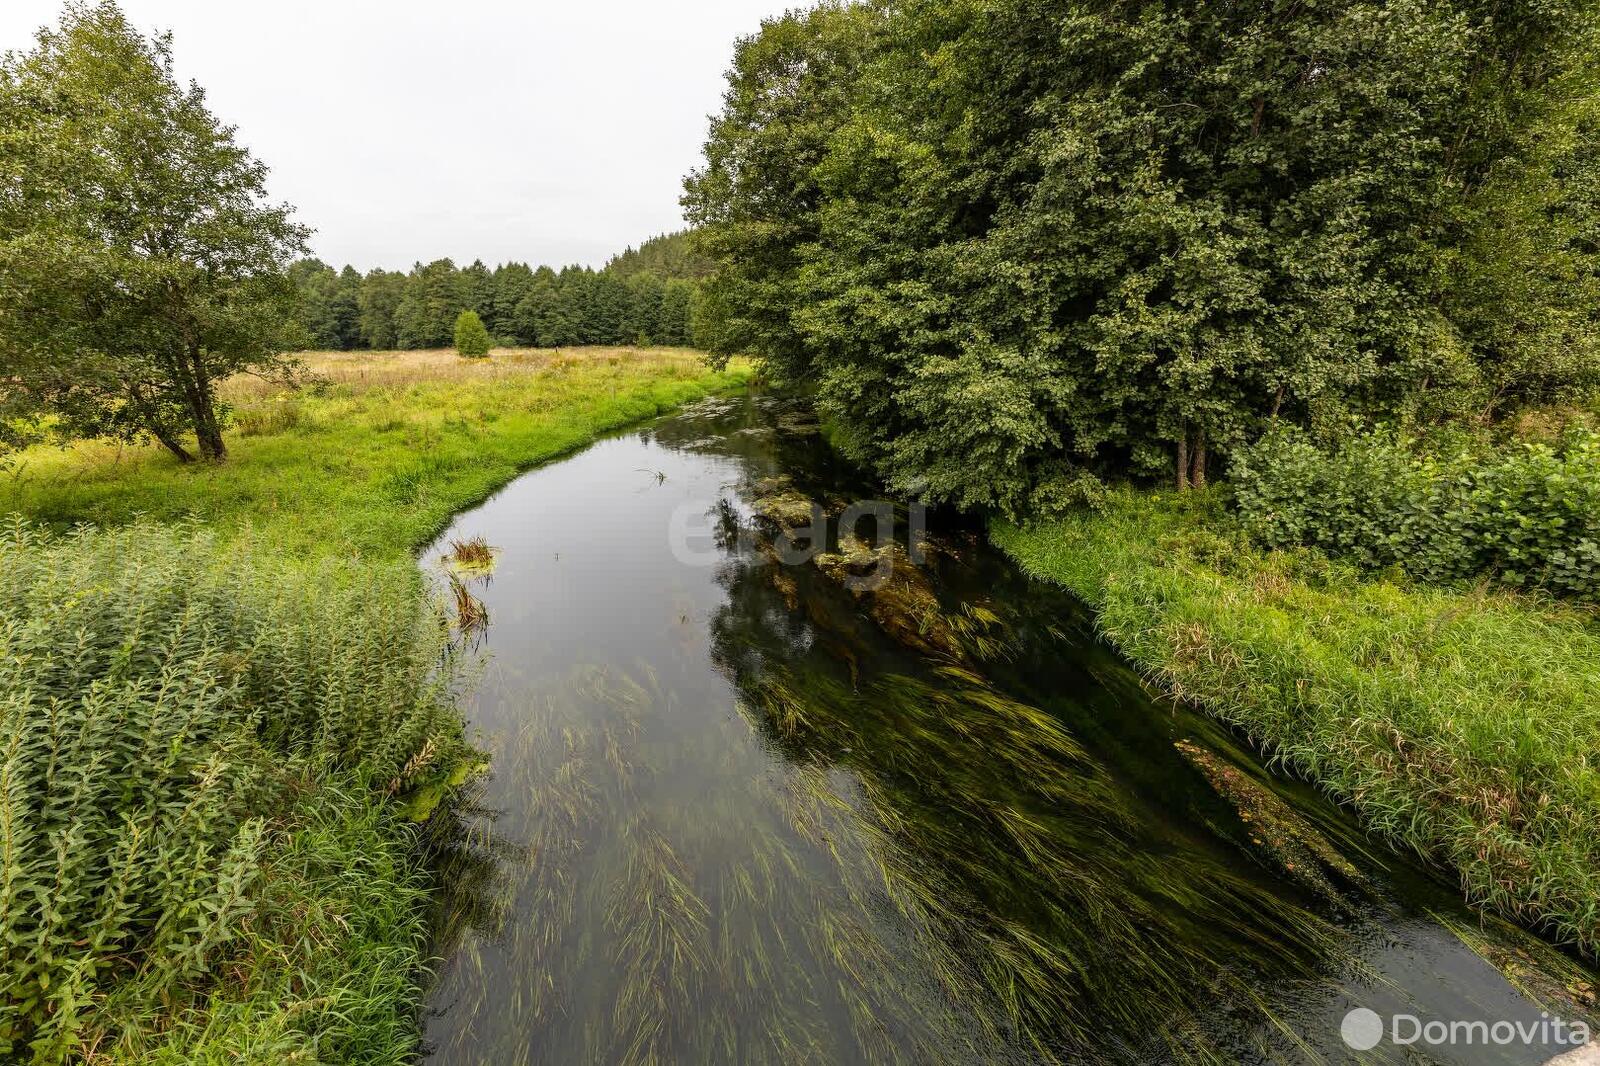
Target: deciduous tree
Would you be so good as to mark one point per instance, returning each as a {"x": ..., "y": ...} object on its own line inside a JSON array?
[
  {"x": 140, "y": 261},
  {"x": 1000, "y": 239}
]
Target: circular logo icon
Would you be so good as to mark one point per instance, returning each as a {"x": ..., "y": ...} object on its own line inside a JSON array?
[{"x": 1362, "y": 1029}]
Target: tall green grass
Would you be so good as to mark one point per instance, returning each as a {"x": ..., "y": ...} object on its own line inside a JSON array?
[
  {"x": 1463, "y": 724},
  {"x": 197, "y": 859},
  {"x": 373, "y": 462}
]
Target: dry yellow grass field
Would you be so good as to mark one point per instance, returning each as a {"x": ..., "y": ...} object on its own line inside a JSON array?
[{"x": 360, "y": 371}]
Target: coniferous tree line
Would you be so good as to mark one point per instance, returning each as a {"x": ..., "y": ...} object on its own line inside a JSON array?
[
  {"x": 644, "y": 296},
  {"x": 1009, "y": 242},
  {"x": 670, "y": 255}
]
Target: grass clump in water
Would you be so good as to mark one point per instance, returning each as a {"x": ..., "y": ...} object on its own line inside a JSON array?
[
  {"x": 210, "y": 743},
  {"x": 1459, "y": 723},
  {"x": 199, "y": 860},
  {"x": 471, "y": 553}
]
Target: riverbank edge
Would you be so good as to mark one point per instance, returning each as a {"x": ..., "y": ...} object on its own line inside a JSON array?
[
  {"x": 730, "y": 382},
  {"x": 652, "y": 402},
  {"x": 376, "y": 954},
  {"x": 1459, "y": 725}
]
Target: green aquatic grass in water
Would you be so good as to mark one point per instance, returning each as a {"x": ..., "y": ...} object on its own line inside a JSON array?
[
  {"x": 776, "y": 819},
  {"x": 243, "y": 717},
  {"x": 1460, "y": 724}
]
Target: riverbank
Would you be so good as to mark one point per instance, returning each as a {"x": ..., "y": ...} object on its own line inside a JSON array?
[
  {"x": 250, "y": 673},
  {"x": 1460, "y": 724},
  {"x": 373, "y": 459}
]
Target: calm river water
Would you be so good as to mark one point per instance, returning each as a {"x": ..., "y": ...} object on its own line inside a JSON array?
[{"x": 743, "y": 809}]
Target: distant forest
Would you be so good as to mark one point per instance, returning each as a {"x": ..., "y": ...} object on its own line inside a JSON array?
[{"x": 645, "y": 295}]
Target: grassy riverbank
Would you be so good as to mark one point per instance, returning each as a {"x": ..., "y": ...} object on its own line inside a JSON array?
[
  {"x": 1462, "y": 724},
  {"x": 374, "y": 460},
  {"x": 212, "y": 710}
]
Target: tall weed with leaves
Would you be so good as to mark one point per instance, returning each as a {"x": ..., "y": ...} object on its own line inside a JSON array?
[
  {"x": 172, "y": 715},
  {"x": 1525, "y": 514}
]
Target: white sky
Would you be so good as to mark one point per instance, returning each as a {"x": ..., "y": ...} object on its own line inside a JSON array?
[{"x": 550, "y": 131}]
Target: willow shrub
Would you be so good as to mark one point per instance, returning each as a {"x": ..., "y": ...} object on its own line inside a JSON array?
[
  {"x": 1526, "y": 514},
  {"x": 179, "y": 723}
]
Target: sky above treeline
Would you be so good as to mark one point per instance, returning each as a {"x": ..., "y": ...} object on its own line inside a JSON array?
[{"x": 547, "y": 132}]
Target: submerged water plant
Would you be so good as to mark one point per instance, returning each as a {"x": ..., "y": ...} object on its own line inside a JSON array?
[
  {"x": 808, "y": 831},
  {"x": 1282, "y": 836}
]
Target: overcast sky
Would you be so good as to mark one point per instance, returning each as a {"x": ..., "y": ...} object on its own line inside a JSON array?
[{"x": 551, "y": 132}]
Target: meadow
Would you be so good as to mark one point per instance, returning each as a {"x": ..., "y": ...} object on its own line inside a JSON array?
[{"x": 372, "y": 456}]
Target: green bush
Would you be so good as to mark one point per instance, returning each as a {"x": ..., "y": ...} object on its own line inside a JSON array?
[
  {"x": 472, "y": 337},
  {"x": 1526, "y": 514},
  {"x": 175, "y": 718}
]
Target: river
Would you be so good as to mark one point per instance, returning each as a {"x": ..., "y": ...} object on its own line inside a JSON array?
[{"x": 746, "y": 806}]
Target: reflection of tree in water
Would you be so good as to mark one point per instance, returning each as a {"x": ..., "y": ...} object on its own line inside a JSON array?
[
  {"x": 883, "y": 856},
  {"x": 1005, "y": 846}
]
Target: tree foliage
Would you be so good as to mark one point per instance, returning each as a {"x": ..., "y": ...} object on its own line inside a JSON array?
[
  {"x": 140, "y": 262},
  {"x": 1003, "y": 239},
  {"x": 471, "y": 337},
  {"x": 671, "y": 255},
  {"x": 516, "y": 303}
]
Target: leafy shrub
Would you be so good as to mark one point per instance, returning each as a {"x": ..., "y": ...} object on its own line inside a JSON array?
[
  {"x": 172, "y": 716},
  {"x": 1526, "y": 514},
  {"x": 472, "y": 337}
]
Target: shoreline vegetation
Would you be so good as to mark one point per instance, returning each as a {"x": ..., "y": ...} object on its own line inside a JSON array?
[
  {"x": 1460, "y": 723},
  {"x": 374, "y": 455},
  {"x": 1025, "y": 255},
  {"x": 1020, "y": 255},
  {"x": 223, "y": 687}
]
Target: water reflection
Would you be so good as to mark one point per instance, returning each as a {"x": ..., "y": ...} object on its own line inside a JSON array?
[{"x": 755, "y": 812}]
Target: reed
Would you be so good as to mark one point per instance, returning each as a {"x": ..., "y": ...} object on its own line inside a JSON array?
[{"x": 471, "y": 553}]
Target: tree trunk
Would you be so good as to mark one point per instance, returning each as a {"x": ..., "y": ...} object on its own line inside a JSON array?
[
  {"x": 212, "y": 447},
  {"x": 151, "y": 423},
  {"x": 1197, "y": 477},
  {"x": 1183, "y": 460},
  {"x": 203, "y": 408},
  {"x": 170, "y": 442}
]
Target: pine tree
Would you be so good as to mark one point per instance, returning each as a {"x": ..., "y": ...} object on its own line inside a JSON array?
[{"x": 379, "y": 300}]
